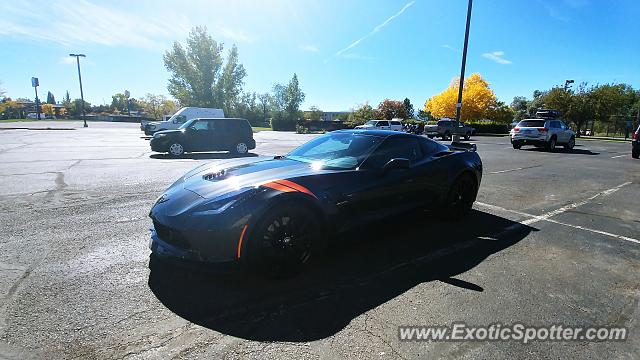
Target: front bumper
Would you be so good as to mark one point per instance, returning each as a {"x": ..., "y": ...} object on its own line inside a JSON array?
[{"x": 158, "y": 145}]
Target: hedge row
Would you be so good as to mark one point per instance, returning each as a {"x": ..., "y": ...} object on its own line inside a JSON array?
[{"x": 488, "y": 128}]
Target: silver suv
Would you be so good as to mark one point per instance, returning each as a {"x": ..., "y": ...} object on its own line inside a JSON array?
[{"x": 547, "y": 133}]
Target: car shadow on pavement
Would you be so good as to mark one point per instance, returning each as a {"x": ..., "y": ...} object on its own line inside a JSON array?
[
  {"x": 362, "y": 270},
  {"x": 203, "y": 156},
  {"x": 564, "y": 151}
]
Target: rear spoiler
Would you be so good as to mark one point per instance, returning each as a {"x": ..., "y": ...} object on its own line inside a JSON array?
[{"x": 460, "y": 146}]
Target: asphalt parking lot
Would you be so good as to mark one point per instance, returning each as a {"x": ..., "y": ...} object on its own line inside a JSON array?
[{"x": 554, "y": 239}]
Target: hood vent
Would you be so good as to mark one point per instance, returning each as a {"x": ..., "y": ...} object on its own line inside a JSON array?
[{"x": 215, "y": 176}]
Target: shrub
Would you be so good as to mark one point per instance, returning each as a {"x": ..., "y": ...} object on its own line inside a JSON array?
[
  {"x": 282, "y": 122},
  {"x": 301, "y": 129}
]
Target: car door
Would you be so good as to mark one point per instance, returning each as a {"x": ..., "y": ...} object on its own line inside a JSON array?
[
  {"x": 198, "y": 136},
  {"x": 393, "y": 191},
  {"x": 382, "y": 125},
  {"x": 556, "y": 129},
  {"x": 566, "y": 132}
]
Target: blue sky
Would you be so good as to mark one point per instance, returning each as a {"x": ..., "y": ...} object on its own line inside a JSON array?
[{"x": 344, "y": 52}]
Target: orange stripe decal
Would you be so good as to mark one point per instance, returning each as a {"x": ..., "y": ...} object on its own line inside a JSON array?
[
  {"x": 295, "y": 186},
  {"x": 276, "y": 186},
  {"x": 244, "y": 229}
]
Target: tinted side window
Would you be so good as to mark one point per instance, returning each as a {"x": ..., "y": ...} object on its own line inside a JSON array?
[
  {"x": 555, "y": 124},
  {"x": 430, "y": 147},
  {"x": 396, "y": 123},
  {"x": 200, "y": 125},
  {"x": 407, "y": 148}
]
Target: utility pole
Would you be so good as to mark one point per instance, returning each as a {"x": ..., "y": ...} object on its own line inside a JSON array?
[
  {"x": 78, "y": 56},
  {"x": 456, "y": 137},
  {"x": 35, "y": 83}
]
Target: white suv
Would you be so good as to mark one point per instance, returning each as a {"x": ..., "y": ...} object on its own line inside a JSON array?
[
  {"x": 542, "y": 133},
  {"x": 394, "y": 125}
]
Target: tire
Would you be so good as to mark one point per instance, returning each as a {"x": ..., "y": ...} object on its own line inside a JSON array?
[
  {"x": 446, "y": 135},
  {"x": 570, "y": 144},
  {"x": 176, "y": 149},
  {"x": 285, "y": 240},
  {"x": 240, "y": 148},
  {"x": 430, "y": 136},
  {"x": 461, "y": 197},
  {"x": 516, "y": 145},
  {"x": 635, "y": 153},
  {"x": 551, "y": 144},
  {"x": 467, "y": 136}
]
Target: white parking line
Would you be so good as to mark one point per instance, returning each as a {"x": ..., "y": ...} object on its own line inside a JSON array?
[
  {"x": 619, "y": 156},
  {"x": 547, "y": 216},
  {"x": 516, "y": 169}
]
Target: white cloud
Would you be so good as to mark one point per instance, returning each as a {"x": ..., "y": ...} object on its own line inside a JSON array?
[
  {"x": 67, "y": 60},
  {"x": 309, "y": 48},
  {"x": 72, "y": 23},
  {"x": 447, "y": 46},
  {"x": 375, "y": 29},
  {"x": 497, "y": 56}
]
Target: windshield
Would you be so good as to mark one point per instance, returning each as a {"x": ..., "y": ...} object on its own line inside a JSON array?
[
  {"x": 336, "y": 150},
  {"x": 187, "y": 124},
  {"x": 371, "y": 122}
]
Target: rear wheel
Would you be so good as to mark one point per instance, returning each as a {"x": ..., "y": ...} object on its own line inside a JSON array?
[
  {"x": 551, "y": 145},
  {"x": 461, "y": 197},
  {"x": 570, "y": 144},
  {"x": 516, "y": 145},
  {"x": 285, "y": 240},
  {"x": 446, "y": 135},
  {"x": 176, "y": 149},
  {"x": 635, "y": 153},
  {"x": 241, "y": 148}
]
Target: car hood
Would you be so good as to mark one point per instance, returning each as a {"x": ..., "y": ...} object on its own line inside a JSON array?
[
  {"x": 168, "y": 132},
  {"x": 213, "y": 180}
]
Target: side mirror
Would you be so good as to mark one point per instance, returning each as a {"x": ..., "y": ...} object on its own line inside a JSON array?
[{"x": 397, "y": 163}]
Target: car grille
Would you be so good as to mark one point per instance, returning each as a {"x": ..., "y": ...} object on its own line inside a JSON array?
[{"x": 171, "y": 236}]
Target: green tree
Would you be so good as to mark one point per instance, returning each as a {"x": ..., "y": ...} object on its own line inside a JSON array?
[
  {"x": 314, "y": 113},
  {"x": 75, "y": 109},
  {"x": 520, "y": 106},
  {"x": 360, "y": 115},
  {"x": 287, "y": 100},
  {"x": 50, "y": 98},
  {"x": 119, "y": 102},
  {"x": 500, "y": 113},
  {"x": 266, "y": 104},
  {"x": 408, "y": 109},
  {"x": 536, "y": 103},
  {"x": 198, "y": 77}
]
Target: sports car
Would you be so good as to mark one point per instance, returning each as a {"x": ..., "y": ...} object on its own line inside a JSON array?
[{"x": 277, "y": 213}]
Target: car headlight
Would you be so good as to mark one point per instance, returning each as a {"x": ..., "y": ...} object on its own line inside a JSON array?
[
  {"x": 152, "y": 127},
  {"x": 224, "y": 202}
]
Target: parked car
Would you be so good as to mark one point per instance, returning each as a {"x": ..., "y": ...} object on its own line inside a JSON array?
[
  {"x": 275, "y": 214},
  {"x": 180, "y": 117},
  {"x": 447, "y": 128},
  {"x": 545, "y": 133},
  {"x": 224, "y": 134},
  {"x": 635, "y": 144},
  {"x": 393, "y": 125}
]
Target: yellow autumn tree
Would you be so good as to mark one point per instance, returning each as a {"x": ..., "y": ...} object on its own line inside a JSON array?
[
  {"x": 47, "y": 109},
  {"x": 477, "y": 99}
]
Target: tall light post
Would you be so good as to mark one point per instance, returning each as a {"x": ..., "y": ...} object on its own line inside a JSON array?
[
  {"x": 78, "y": 56},
  {"x": 456, "y": 137}
]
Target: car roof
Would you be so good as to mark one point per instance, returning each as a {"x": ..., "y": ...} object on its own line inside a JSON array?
[
  {"x": 221, "y": 119},
  {"x": 381, "y": 133}
]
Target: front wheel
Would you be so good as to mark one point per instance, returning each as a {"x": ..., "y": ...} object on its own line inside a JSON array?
[
  {"x": 285, "y": 240},
  {"x": 467, "y": 136},
  {"x": 176, "y": 149},
  {"x": 445, "y": 136},
  {"x": 430, "y": 136},
  {"x": 461, "y": 197}
]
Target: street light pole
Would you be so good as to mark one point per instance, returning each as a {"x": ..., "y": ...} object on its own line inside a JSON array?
[
  {"x": 78, "y": 56},
  {"x": 456, "y": 137}
]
